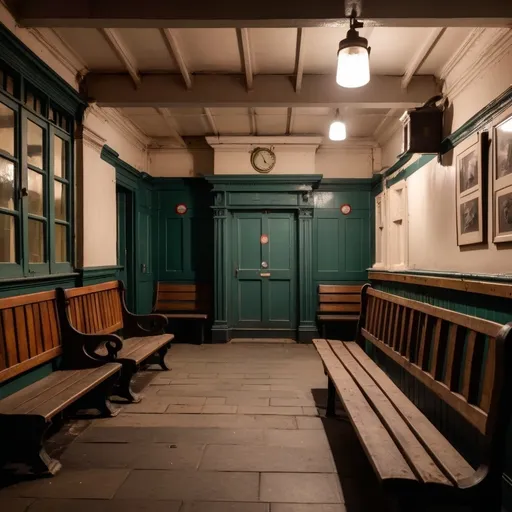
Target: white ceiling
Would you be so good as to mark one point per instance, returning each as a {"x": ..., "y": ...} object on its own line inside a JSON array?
[{"x": 272, "y": 51}]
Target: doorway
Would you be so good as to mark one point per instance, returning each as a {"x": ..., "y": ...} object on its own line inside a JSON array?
[
  {"x": 264, "y": 284},
  {"x": 125, "y": 247}
]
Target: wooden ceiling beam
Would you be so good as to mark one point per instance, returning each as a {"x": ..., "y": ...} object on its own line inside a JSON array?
[
  {"x": 174, "y": 49},
  {"x": 171, "y": 125},
  {"x": 264, "y": 13},
  {"x": 123, "y": 54},
  {"x": 299, "y": 59},
  {"x": 211, "y": 121},
  {"x": 246, "y": 56},
  {"x": 161, "y": 90}
]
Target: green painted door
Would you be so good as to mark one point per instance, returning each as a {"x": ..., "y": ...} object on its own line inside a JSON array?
[
  {"x": 264, "y": 283},
  {"x": 125, "y": 241}
]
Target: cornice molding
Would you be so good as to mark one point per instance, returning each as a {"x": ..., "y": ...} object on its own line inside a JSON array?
[
  {"x": 122, "y": 124},
  {"x": 90, "y": 138},
  {"x": 484, "y": 49},
  {"x": 220, "y": 141}
]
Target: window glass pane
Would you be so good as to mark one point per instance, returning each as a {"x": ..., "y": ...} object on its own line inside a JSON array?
[
  {"x": 6, "y": 184},
  {"x": 35, "y": 144},
  {"x": 35, "y": 193},
  {"x": 6, "y": 129},
  {"x": 60, "y": 201},
  {"x": 35, "y": 241},
  {"x": 61, "y": 243},
  {"x": 7, "y": 239},
  {"x": 59, "y": 157},
  {"x": 9, "y": 85},
  {"x": 29, "y": 99}
]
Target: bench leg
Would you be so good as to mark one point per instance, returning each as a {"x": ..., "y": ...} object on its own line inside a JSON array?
[
  {"x": 331, "y": 399},
  {"x": 123, "y": 387},
  {"x": 31, "y": 433},
  {"x": 323, "y": 330},
  {"x": 161, "y": 358},
  {"x": 101, "y": 399},
  {"x": 202, "y": 332}
]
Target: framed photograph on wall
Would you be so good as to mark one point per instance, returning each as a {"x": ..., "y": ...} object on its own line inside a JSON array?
[
  {"x": 502, "y": 177},
  {"x": 470, "y": 167}
]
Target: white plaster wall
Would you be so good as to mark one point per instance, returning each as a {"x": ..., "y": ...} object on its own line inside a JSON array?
[
  {"x": 391, "y": 149},
  {"x": 181, "y": 163},
  {"x": 431, "y": 191},
  {"x": 344, "y": 163}
]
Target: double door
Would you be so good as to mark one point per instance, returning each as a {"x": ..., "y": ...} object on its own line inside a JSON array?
[{"x": 264, "y": 270}]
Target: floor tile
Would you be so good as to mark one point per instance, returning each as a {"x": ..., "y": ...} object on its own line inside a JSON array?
[
  {"x": 104, "y": 506},
  {"x": 213, "y": 506},
  {"x": 184, "y": 409},
  {"x": 288, "y": 402},
  {"x": 266, "y": 459},
  {"x": 216, "y": 401},
  {"x": 299, "y": 438},
  {"x": 190, "y": 485},
  {"x": 15, "y": 504},
  {"x": 310, "y": 507},
  {"x": 310, "y": 411},
  {"x": 307, "y": 422},
  {"x": 240, "y": 400},
  {"x": 219, "y": 409},
  {"x": 71, "y": 483},
  {"x": 256, "y": 409},
  {"x": 148, "y": 405},
  {"x": 300, "y": 488}
]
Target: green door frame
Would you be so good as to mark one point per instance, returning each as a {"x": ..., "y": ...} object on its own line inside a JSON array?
[{"x": 274, "y": 192}]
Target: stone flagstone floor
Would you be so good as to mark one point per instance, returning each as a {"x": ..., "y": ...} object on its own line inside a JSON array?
[{"x": 231, "y": 428}]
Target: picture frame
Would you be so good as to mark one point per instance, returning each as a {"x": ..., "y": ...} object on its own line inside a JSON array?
[
  {"x": 502, "y": 177},
  {"x": 471, "y": 167}
]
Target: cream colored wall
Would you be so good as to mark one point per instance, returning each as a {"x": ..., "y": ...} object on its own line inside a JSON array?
[
  {"x": 431, "y": 190},
  {"x": 181, "y": 163}
]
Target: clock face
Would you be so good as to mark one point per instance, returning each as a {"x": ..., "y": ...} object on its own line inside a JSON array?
[{"x": 263, "y": 160}]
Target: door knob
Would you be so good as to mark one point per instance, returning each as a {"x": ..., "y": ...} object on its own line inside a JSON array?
[{"x": 236, "y": 271}]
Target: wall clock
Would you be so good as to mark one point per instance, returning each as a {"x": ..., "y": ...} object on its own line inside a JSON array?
[{"x": 263, "y": 160}]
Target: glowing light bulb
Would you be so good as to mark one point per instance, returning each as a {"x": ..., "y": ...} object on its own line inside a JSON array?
[{"x": 337, "y": 131}]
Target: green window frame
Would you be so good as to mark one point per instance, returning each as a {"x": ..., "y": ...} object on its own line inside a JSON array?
[{"x": 36, "y": 181}]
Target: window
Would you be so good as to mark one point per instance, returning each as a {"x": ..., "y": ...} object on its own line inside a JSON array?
[
  {"x": 397, "y": 236},
  {"x": 35, "y": 181},
  {"x": 380, "y": 231}
]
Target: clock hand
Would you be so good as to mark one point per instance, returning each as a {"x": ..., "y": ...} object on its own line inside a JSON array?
[{"x": 263, "y": 158}]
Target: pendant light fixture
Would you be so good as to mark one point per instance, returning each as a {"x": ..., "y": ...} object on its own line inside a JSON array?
[
  {"x": 353, "y": 58},
  {"x": 337, "y": 130}
]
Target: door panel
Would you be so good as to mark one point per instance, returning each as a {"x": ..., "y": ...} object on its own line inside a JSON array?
[{"x": 264, "y": 296}]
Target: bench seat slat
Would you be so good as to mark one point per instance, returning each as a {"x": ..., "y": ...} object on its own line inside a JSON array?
[
  {"x": 386, "y": 459},
  {"x": 54, "y": 393},
  {"x": 449, "y": 459},
  {"x": 192, "y": 316},
  {"x": 414, "y": 452},
  {"x": 337, "y": 318},
  {"x": 139, "y": 349}
]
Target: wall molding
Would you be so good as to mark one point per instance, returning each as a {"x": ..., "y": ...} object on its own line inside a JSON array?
[
  {"x": 98, "y": 274},
  {"x": 90, "y": 138},
  {"x": 23, "y": 60},
  {"x": 485, "y": 284}
]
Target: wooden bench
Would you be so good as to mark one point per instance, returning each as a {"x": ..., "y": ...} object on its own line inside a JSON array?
[
  {"x": 93, "y": 312},
  {"x": 177, "y": 301},
  {"x": 464, "y": 361},
  {"x": 30, "y": 336},
  {"x": 338, "y": 303}
]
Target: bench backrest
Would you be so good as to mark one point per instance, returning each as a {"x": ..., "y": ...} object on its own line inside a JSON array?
[
  {"x": 95, "y": 309},
  {"x": 339, "y": 299},
  {"x": 29, "y": 333},
  {"x": 461, "y": 358},
  {"x": 179, "y": 297}
]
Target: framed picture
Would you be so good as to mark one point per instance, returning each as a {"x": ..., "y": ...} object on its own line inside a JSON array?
[
  {"x": 470, "y": 166},
  {"x": 502, "y": 177}
]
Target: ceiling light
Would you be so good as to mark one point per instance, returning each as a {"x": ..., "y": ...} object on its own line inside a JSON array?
[
  {"x": 337, "y": 130},
  {"x": 353, "y": 58}
]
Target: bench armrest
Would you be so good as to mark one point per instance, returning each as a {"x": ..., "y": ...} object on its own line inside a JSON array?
[
  {"x": 143, "y": 325},
  {"x": 81, "y": 350}
]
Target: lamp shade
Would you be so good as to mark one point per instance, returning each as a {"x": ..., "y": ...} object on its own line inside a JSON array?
[
  {"x": 353, "y": 67},
  {"x": 337, "y": 131}
]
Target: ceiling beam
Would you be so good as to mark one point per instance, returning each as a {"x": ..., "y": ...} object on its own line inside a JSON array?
[
  {"x": 123, "y": 54},
  {"x": 264, "y": 13},
  {"x": 387, "y": 125},
  {"x": 171, "y": 125},
  {"x": 254, "y": 124},
  {"x": 161, "y": 90},
  {"x": 211, "y": 121},
  {"x": 175, "y": 51},
  {"x": 421, "y": 55},
  {"x": 299, "y": 58},
  {"x": 289, "y": 121},
  {"x": 246, "y": 56}
]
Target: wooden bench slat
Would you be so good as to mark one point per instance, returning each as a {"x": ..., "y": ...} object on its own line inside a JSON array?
[
  {"x": 191, "y": 316},
  {"x": 468, "y": 364},
  {"x": 174, "y": 287},
  {"x": 179, "y": 306},
  {"x": 450, "y": 354},
  {"x": 473, "y": 414},
  {"x": 348, "y": 308},
  {"x": 338, "y": 318},
  {"x": 452, "y": 462},
  {"x": 341, "y": 298},
  {"x": 139, "y": 349},
  {"x": 386, "y": 459},
  {"x": 339, "y": 288},
  {"x": 435, "y": 347},
  {"x": 488, "y": 379},
  {"x": 414, "y": 452},
  {"x": 83, "y": 382},
  {"x": 86, "y": 290}
]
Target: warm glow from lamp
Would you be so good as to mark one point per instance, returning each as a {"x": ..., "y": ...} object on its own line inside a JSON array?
[
  {"x": 337, "y": 130},
  {"x": 353, "y": 67},
  {"x": 353, "y": 58}
]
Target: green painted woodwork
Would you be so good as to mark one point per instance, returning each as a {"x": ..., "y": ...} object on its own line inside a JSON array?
[
  {"x": 264, "y": 302},
  {"x": 97, "y": 275}
]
